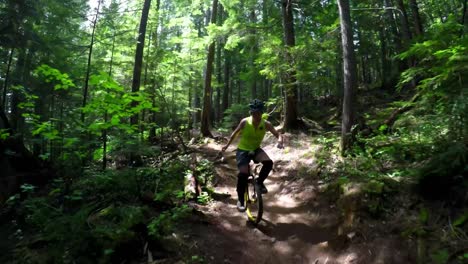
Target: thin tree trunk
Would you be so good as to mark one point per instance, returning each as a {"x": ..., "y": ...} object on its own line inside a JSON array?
[
  {"x": 393, "y": 26},
  {"x": 88, "y": 66},
  {"x": 462, "y": 22},
  {"x": 361, "y": 67},
  {"x": 239, "y": 86},
  {"x": 104, "y": 131},
  {"x": 189, "y": 103},
  {"x": 152, "y": 130},
  {"x": 417, "y": 18},
  {"x": 15, "y": 97},
  {"x": 404, "y": 23},
  {"x": 218, "y": 84},
  {"x": 290, "y": 120},
  {"x": 385, "y": 63},
  {"x": 7, "y": 77},
  {"x": 349, "y": 70},
  {"x": 205, "y": 122},
  {"x": 253, "y": 54},
  {"x": 396, "y": 36},
  {"x": 227, "y": 66},
  {"x": 139, "y": 55}
]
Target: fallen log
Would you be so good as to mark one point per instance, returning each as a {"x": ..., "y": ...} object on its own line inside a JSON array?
[{"x": 395, "y": 114}]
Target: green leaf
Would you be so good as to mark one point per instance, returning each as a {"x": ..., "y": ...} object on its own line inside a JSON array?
[
  {"x": 4, "y": 134},
  {"x": 115, "y": 120},
  {"x": 383, "y": 128},
  {"x": 461, "y": 220},
  {"x": 232, "y": 42},
  {"x": 423, "y": 215},
  {"x": 440, "y": 257}
]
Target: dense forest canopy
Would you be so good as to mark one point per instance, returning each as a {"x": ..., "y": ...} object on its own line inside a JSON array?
[{"x": 91, "y": 87}]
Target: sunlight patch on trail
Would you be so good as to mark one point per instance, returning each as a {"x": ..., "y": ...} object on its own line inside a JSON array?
[
  {"x": 285, "y": 202},
  {"x": 283, "y": 248}
]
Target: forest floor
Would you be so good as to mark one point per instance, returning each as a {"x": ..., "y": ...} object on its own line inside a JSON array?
[{"x": 300, "y": 223}]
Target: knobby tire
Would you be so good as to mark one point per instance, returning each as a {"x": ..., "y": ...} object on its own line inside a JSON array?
[{"x": 253, "y": 201}]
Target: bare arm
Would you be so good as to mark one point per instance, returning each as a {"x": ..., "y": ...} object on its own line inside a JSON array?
[
  {"x": 235, "y": 133},
  {"x": 272, "y": 129}
]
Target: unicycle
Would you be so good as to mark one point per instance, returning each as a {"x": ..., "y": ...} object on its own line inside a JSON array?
[{"x": 253, "y": 198}]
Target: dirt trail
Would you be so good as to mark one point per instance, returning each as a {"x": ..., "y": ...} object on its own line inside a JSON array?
[{"x": 298, "y": 226}]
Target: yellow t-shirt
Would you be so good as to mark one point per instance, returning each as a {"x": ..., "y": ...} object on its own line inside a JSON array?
[{"x": 251, "y": 138}]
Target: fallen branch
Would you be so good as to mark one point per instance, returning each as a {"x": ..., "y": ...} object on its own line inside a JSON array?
[{"x": 394, "y": 116}]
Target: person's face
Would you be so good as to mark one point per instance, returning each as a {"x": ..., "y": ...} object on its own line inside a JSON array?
[{"x": 256, "y": 115}]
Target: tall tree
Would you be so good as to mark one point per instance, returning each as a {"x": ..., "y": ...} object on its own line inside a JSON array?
[
  {"x": 88, "y": 67},
  {"x": 227, "y": 86},
  {"x": 139, "y": 55},
  {"x": 418, "y": 28},
  {"x": 463, "y": 16},
  {"x": 205, "y": 122},
  {"x": 349, "y": 73},
  {"x": 7, "y": 76},
  {"x": 404, "y": 23},
  {"x": 290, "y": 121}
]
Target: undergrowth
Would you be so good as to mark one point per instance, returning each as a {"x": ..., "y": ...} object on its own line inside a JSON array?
[
  {"x": 417, "y": 152},
  {"x": 101, "y": 217}
]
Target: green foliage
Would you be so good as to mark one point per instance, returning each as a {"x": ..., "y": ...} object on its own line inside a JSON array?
[
  {"x": 4, "y": 134},
  {"x": 440, "y": 257},
  {"x": 205, "y": 172},
  {"x": 91, "y": 218},
  {"x": 441, "y": 71},
  {"x": 165, "y": 223},
  {"x": 423, "y": 216},
  {"x": 54, "y": 76},
  {"x": 196, "y": 259},
  {"x": 204, "y": 198},
  {"x": 460, "y": 221},
  {"x": 441, "y": 177},
  {"x": 234, "y": 114},
  {"x": 375, "y": 187}
]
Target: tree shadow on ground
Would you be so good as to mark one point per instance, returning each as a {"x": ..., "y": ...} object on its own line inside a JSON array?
[
  {"x": 223, "y": 197},
  {"x": 306, "y": 233}
]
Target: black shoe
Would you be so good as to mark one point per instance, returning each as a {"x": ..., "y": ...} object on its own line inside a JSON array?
[
  {"x": 263, "y": 189},
  {"x": 240, "y": 207}
]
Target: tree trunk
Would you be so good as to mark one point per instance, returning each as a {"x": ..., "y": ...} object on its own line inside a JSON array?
[
  {"x": 18, "y": 165},
  {"x": 253, "y": 53},
  {"x": 106, "y": 117},
  {"x": 139, "y": 55},
  {"x": 462, "y": 21},
  {"x": 205, "y": 122},
  {"x": 385, "y": 62},
  {"x": 88, "y": 67},
  {"x": 227, "y": 71},
  {"x": 15, "y": 115},
  {"x": 152, "y": 129},
  {"x": 218, "y": 83},
  {"x": 7, "y": 77},
  {"x": 404, "y": 23},
  {"x": 349, "y": 73},
  {"x": 290, "y": 120},
  {"x": 417, "y": 18}
]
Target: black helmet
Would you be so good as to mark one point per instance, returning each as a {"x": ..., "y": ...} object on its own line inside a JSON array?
[{"x": 256, "y": 105}]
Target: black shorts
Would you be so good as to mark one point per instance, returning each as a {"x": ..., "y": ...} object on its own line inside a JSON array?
[{"x": 244, "y": 157}]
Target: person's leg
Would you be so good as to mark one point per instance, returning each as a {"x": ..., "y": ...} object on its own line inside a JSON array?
[
  {"x": 262, "y": 157},
  {"x": 243, "y": 161}
]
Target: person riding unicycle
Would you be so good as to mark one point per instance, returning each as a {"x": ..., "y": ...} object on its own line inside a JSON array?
[{"x": 252, "y": 130}]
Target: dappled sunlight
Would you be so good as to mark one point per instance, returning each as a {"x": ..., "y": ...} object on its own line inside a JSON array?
[
  {"x": 298, "y": 225},
  {"x": 347, "y": 258},
  {"x": 283, "y": 248},
  {"x": 285, "y": 201}
]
